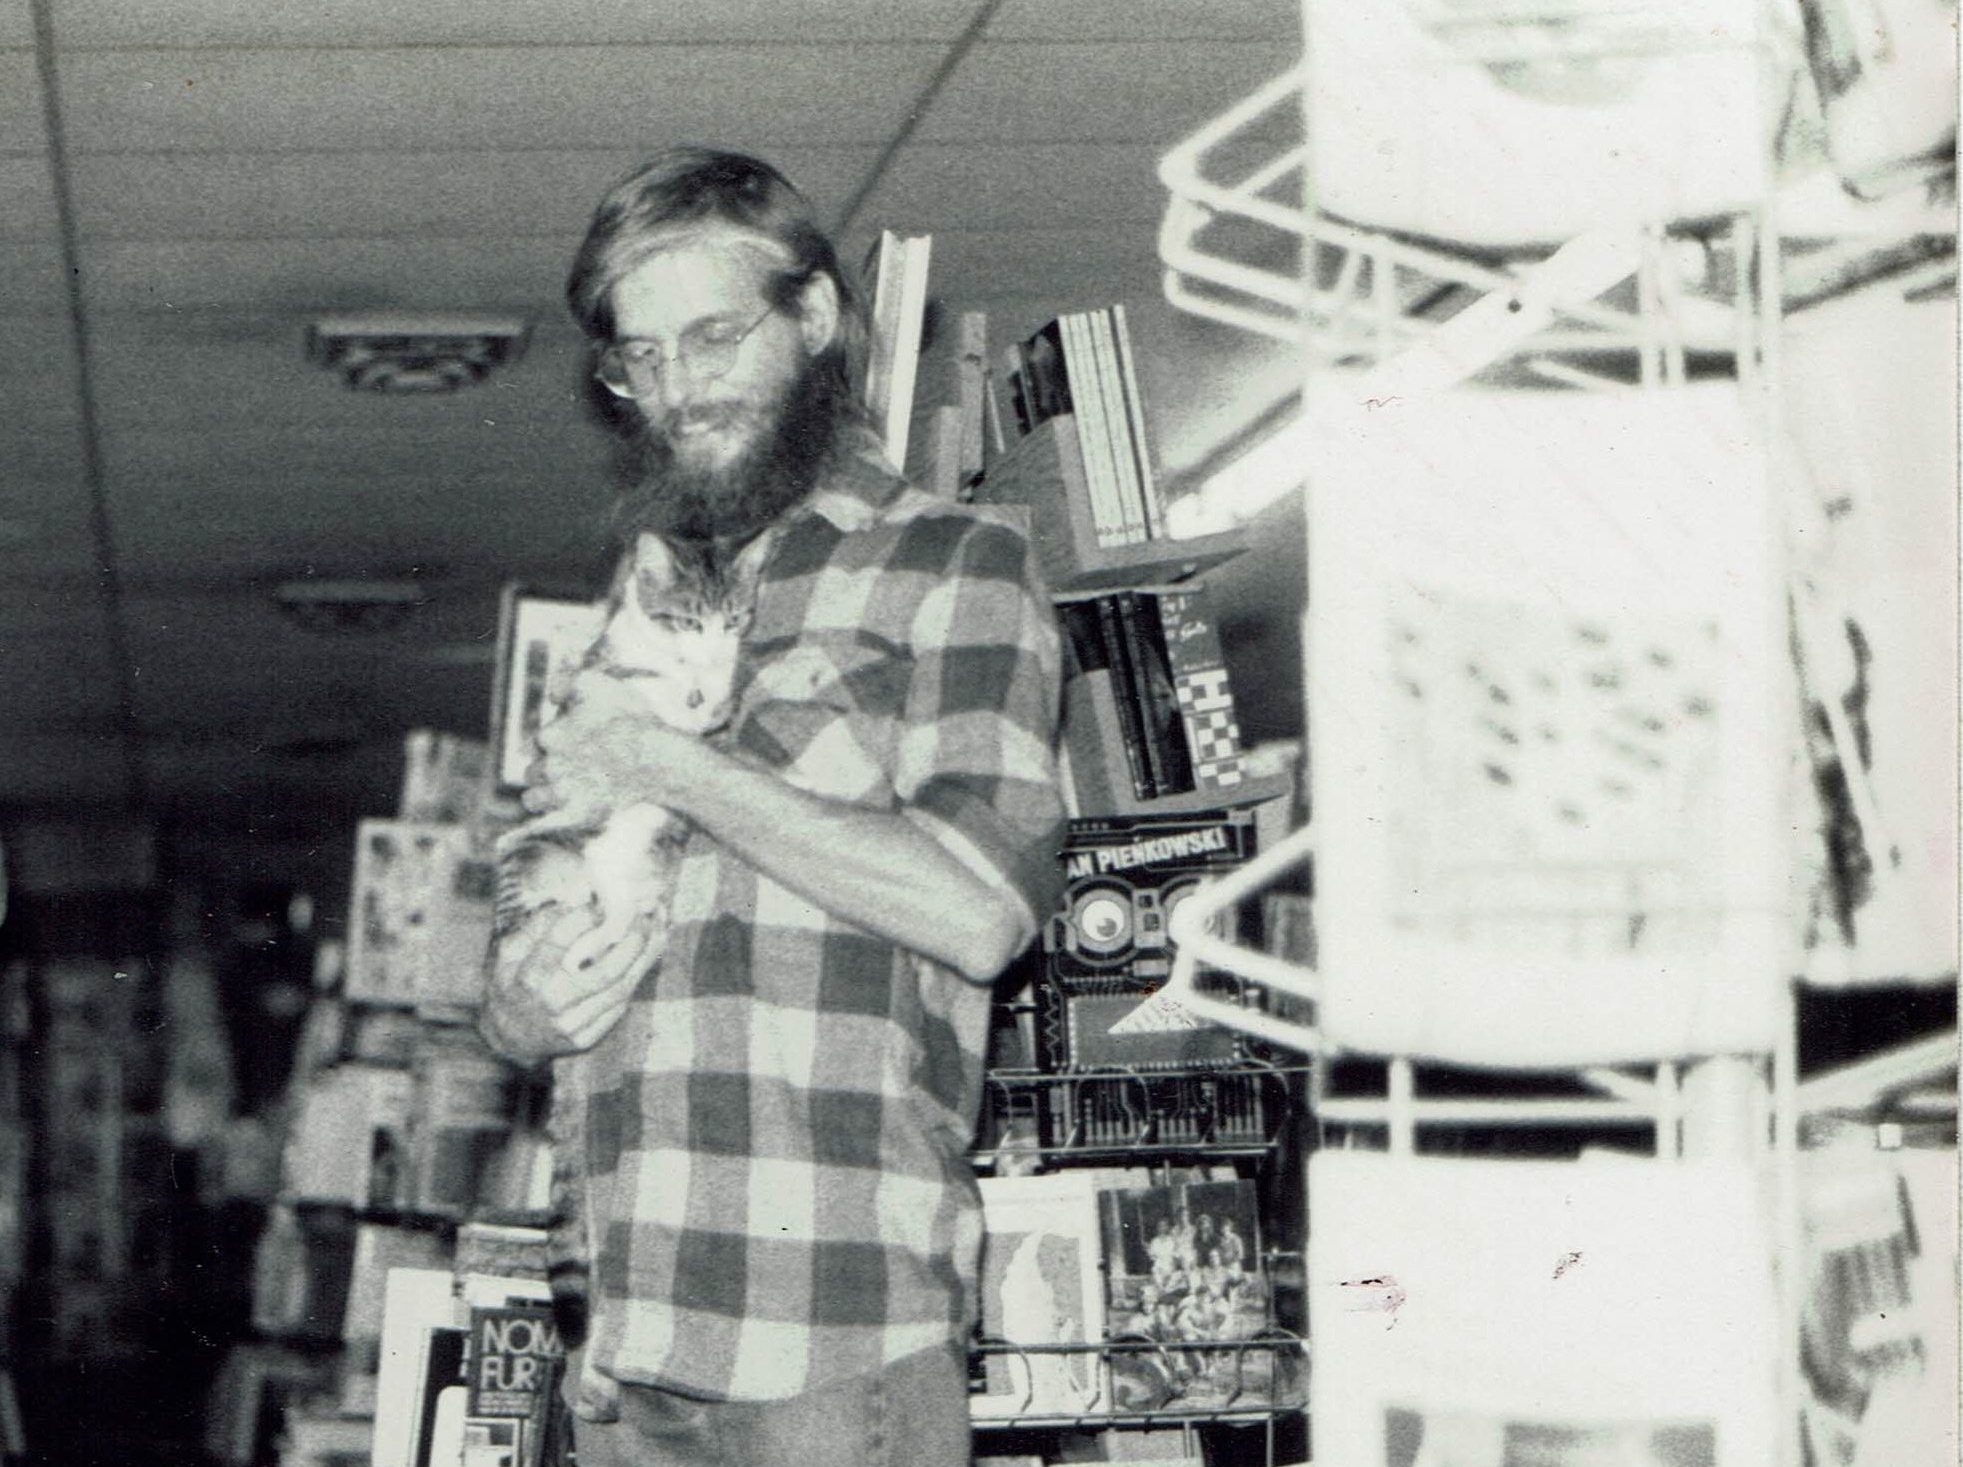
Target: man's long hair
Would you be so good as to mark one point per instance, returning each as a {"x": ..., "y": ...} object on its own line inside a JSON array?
[{"x": 654, "y": 205}]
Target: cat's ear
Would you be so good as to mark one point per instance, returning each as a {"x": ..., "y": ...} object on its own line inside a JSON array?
[
  {"x": 745, "y": 569},
  {"x": 654, "y": 559}
]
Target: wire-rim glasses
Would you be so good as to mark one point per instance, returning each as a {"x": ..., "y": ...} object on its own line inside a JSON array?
[{"x": 632, "y": 366}]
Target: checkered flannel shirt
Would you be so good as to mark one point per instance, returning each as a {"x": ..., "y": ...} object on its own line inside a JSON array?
[{"x": 778, "y": 1127}]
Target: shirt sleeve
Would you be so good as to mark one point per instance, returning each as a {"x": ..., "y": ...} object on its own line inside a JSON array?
[{"x": 976, "y": 766}]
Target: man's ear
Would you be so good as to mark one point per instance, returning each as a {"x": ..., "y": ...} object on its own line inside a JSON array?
[{"x": 818, "y": 312}]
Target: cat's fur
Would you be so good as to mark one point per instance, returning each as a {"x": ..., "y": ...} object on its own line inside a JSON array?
[{"x": 673, "y": 630}]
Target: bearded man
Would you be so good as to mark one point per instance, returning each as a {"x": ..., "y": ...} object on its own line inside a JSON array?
[{"x": 782, "y": 1216}]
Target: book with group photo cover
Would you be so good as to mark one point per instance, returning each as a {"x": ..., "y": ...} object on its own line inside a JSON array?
[{"x": 1184, "y": 1274}]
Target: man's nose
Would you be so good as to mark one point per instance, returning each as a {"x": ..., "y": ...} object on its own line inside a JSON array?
[{"x": 675, "y": 387}]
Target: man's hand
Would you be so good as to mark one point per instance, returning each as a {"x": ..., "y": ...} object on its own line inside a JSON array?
[
  {"x": 607, "y": 750},
  {"x": 536, "y": 1007}
]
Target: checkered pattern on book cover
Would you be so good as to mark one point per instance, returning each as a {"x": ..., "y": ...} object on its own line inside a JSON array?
[{"x": 1199, "y": 680}]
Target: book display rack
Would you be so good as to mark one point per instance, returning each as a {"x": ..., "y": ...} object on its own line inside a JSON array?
[{"x": 1146, "y": 1157}]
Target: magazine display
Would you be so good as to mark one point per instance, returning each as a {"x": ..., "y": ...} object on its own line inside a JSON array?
[
  {"x": 1183, "y": 1262},
  {"x": 1039, "y": 1286}
]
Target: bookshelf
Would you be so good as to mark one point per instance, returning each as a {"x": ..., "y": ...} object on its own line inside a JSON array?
[{"x": 1092, "y": 1086}]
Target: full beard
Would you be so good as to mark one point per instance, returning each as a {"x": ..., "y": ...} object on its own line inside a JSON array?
[{"x": 731, "y": 502}]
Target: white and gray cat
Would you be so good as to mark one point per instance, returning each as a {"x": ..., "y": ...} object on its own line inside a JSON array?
[{"x": 674, "y": 626}]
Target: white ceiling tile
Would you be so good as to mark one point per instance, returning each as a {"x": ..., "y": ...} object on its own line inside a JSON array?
[
  {"x": 628, "y": 97},
  {"x": 22, "y": 127},
  {"x": 45, "y": 525},
  {"x": 125, "y": 23},
  {"x": 27, "y": 197},
  {"x": 1148, "y": 20},
  {"x": 16, "y": 23},
  {"x": 324, "y": 195},
  {"x": 1009, "y": 186},
  {"x": 37, "y": 369},
  {"x": 1143, "y": 91},
  {"x": 34, "y": 280},
  {"x": 348, "y": 502},
  {"x": 1058, "y": 264},
  {"x": 313, "y": 276}
]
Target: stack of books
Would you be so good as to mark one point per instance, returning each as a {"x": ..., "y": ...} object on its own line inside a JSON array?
[
  {"x": 1149, "y": 722},
  {"x": 1080, "y": 366}
]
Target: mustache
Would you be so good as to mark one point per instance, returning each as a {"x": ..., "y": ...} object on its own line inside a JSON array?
[{"x": 797, "y": 432}]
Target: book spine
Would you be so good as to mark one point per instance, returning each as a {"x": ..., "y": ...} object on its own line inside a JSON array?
[
  {"x": 1130, "y": 725},
  {"x": 915, "y": 255},
  {"x": 1014, "y": 387},
  {"x": 1161, "y": 692},
  {"x": 1092, "y": 440},
  {"x": 1206, "y": 704},
  {"x": 1155, "y": 522},
  {"x": 1151, "y": 733},
  {"x": 1104, "y": 358},
  {"x": 885, "y": 326}
]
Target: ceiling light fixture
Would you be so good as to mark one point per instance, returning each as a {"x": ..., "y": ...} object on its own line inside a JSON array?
[{"x": 415, "y": 352}]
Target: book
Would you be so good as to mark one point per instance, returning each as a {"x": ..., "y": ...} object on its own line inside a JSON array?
[
  {"x": 542, "y": 639},
  {"x": 350, "y": 1137},
  {"x": 467, "y": 1101},
  {"x": 1157, "y": 692},
  {"x": 423, "y": 1398},
  {"x": 1101, "y": 464},
  {"x": 1198, "y": 668},
  {"x": 1043, "y": 471},
  {"x": 1039, "y": 1285},
  {"x": 899, "y": 305},
  {"x": 1124, "y": 688},
  {"x": 1099, "y": 720},
  {"x": 442, "y": 776},
  {"x": 1110, "y": 397},
  {"x": 1184, "y": 1271},
  {"x": 401, "y": 869},
  {"x": 1141, "y": 443}
]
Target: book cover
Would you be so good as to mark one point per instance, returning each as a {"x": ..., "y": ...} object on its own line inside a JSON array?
[
  {"x": 397, "y": 876},
  {"x": 466, "y": 1103},
  {"x": 1183, "y": 1264},
  {"x": 509, "y": 1365},
  {"x": 1093, "y": 738},
  {"x": 899, "y": 304},
  {"x": 1124, "y": 687},
  {"x": 422, "y": 1402},
  {"x": 1206, "y": 702},
  {"x": 1039, "y": 1285},
  {"x": 542, "y": 639},
  {"x": 442, "y": 776},
  {"x": 1157, "y": 692}
]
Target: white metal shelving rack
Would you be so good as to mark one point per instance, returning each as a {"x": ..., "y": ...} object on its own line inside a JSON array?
[{"x": 1640, "y": 312}]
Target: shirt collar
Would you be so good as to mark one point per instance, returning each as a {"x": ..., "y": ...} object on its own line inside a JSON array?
[{"x": 859, "y": 487}]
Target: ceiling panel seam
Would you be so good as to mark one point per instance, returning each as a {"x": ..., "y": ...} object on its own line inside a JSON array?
[
  {"x": 108, "y": 576},
  {"x": 963, "y": 44}
]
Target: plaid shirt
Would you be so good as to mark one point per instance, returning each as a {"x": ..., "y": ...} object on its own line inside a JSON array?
[{"x": 778, "y": 1127}]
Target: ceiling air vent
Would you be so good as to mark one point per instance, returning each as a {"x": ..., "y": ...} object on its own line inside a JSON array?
[{"x": 415, "y": 352}]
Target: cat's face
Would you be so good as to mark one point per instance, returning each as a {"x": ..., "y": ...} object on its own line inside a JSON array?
[{"x": 678, "y": 632}]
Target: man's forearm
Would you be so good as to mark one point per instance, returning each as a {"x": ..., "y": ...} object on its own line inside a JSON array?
[{"x": 873, "y": 868}]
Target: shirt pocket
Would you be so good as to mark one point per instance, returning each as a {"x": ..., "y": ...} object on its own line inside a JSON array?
[{"x": 824, "y": 711}]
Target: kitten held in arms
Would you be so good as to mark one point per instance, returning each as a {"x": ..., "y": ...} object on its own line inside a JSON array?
[{"x": 674, "y": 627}]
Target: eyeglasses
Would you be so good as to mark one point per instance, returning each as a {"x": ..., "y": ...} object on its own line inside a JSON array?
[{"x": 633, "y": 367}]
